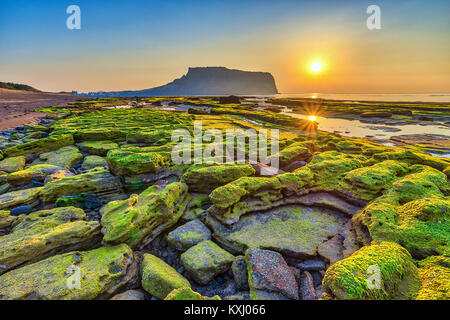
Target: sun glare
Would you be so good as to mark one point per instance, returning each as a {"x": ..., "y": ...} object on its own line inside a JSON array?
[
  {"x": 316, "y": 66},
  {"x": 312, "y": 118}
]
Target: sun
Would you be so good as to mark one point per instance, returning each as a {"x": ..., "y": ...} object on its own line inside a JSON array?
[
  {"x": 316, "y": 66},
  {"x": 312, "y": 118}
]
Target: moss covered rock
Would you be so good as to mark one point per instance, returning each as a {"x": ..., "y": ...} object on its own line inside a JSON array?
[
  {"x": 37, "y": 172},
  {"x": 12, "y": 164},
  {"x": 91, "y": 162},
  {"x": 187, "y": 294},
  {"x": 76, "y": 275},
  {"x": 129, "y": 163},
  {"x": 206, "y": 260},
  {"x": 248, "y": 194},
  {"x": 139, "y": 219},
  {"x": 434, "y": 272},
  {"x": 65, "y": 157},
  {"x": 43, "y": 233},
  {"x": 159, "y": 279},
  {"x": 298, "y": 151},
  {"x": 21, "y": 197},
  {"x": 368, "y": 182},
  {"x": 6, "y": 220},
  {"x": 33, "y": 148},
  {"x": 394, "y": 274},
  {"x": 292, "y": 230},
  {"x": 99, "y": 148},
  {"x": 188, "y": 235},
  {"x": 204, "y": 179},
  {"x": 98, "y": 181},
  {"x": 413, "y": 212}
]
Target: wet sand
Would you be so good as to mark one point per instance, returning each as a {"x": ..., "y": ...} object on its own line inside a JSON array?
[{"x": 16, "y": 106}]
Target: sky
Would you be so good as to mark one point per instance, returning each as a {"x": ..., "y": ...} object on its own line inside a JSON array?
[{"x": 141, "y": 44}]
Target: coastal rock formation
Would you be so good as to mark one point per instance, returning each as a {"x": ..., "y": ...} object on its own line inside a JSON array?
[{"x": 209, "y": 81}]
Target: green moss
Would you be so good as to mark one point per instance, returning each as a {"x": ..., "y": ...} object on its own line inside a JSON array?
[
  {"x": 294, "y": 230},
  {"x": 12, "y": 164},
  {"x": 421, "y": 226},
  {"x": 99, "y": 148},
  {"x": 42, "y": 233},
  {"x": 434, "y": 272},
  {"x": 368, "y": 182},
  {"x": 159, "y": 279},
  {"x": 206, "y": 260},
  {"x": 37, "y": 172},
  {"x": 98, "y": 181},
  {"x": 139, "y": 219},
  {"x": 299, "y": 151},
  {"x": 20, "y": 197},
  {"x": 65, "y": 157},
  {"x": 184, "y": 294},
  {"x": 48, "y": 279},
  {"x": 91, "y": 162},
  {"x": 39, "y": 146},
  {"x": 201, "y": 178},
  {"x": 129, "y": 163},
  {"x": 348, "y": 279}
]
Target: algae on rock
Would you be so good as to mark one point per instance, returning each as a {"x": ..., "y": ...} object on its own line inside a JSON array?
[
  {"x": 77, "y": 275},
  {"x": 140, "y": 218}
]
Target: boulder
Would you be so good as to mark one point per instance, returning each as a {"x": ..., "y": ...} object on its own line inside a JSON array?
[
  {"x": 77, "y": 275},
  {"x": 91, "y": 162},
  {"x": 188, "y": 235},
  {"x": 21, "y": 197},
  {"x": 98, "y": 148},
  {"x": 97, "y": 181},
  {"x": 12, "y": 164},
  {"x": 139, "y": 219},
  {"x": 204, "y": 179},
  {"x": 44, "y": 233},
  {"x": 65, "y": 157},
  {"x": 383, "y": 270},
  {"x": 130, "y": 295},
  {"x": 159, "y": 279},
  {"x": 204, "y": 261},
  {"x": 269, "y": 275},
  {"x": 240, "y": 274},
  {"x": 307, "y": 291}
]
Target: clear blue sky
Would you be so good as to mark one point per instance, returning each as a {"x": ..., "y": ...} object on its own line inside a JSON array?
[{"x": 140, "y": 44}]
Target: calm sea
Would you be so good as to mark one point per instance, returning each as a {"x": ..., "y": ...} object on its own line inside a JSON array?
[{"x": 407, "y": 97}]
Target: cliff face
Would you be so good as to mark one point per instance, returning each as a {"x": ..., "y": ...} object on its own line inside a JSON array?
[{"x": 211, "y": 81}]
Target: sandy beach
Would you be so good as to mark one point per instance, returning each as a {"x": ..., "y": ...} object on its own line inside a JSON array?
[{"x": 16, "y": 106}]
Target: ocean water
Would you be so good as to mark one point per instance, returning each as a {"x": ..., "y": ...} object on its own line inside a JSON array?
[{"x": 398, "y": 97}]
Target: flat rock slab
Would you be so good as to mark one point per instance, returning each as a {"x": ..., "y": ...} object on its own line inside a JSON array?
[{"x": 293, "y": 230}]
